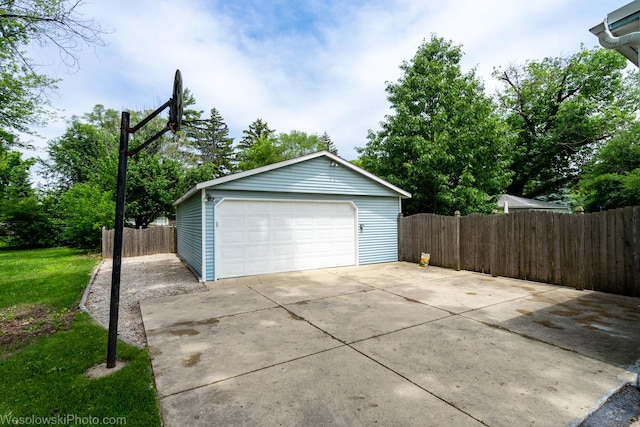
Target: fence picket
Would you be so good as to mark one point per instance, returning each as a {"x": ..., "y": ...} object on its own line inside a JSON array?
[
  {"x": 139, "y": 242},
  {"x": 599, "y": 251}
]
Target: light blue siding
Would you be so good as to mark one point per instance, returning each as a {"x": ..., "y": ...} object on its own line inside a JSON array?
[
  {"x": 378, "y": 238},
  {"x": 314, "y": 176},
  {"x": 189, "y": 223},
  {"x": 319, "y": 178},
  {"x": 210, "y": 244}
]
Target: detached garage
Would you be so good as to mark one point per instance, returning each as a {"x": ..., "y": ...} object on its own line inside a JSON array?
[{"x": 315, "y": 211}]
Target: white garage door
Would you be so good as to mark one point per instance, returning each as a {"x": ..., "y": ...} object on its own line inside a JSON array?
[{"x": 257, "y": 236}]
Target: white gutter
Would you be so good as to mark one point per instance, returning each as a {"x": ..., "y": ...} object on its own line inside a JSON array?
[{"x": 608, "y": 40}]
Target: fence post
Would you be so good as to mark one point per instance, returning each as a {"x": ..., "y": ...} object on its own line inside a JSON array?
[
  {"x": 456, "y": 214},
  {"x": 493, "y": 244},
  {"x": 580, "y": 274},
  {"x": 104, "y": 246}
]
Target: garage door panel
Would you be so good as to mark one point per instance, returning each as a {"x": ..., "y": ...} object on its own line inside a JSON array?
[
  {"x": 232, "y": 252},
  {"x": 232, "y": 237},
  {"x": 283, "y": 236},
  {"x": 280, "y": 236},
  {"x": 257, "y": 236}
]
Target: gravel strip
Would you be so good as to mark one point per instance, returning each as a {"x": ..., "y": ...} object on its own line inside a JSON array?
[{"x": 145, "y": 277}]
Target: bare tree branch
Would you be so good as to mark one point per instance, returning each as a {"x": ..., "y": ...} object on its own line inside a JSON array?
[{"x": 54, "y": 23}]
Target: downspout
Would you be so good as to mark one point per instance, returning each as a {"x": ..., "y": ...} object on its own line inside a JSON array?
[{"x": 609, "y": 41}]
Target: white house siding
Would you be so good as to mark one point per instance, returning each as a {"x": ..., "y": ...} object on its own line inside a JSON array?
[{"x": 189, "y": 223}]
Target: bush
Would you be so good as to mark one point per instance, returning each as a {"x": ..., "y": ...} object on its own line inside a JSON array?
[
  {"x": 84, "y": 210},
  {"x": 26, "y": 223}
]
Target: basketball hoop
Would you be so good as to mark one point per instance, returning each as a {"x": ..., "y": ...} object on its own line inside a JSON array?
[
  {"x": 175, "y": 109},
  {"x": 175, "y": 120}
]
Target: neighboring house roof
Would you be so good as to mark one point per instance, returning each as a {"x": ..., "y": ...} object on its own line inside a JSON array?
[
  {"x": 236, "y": 176},
  {"x": 515, "y": 202}
]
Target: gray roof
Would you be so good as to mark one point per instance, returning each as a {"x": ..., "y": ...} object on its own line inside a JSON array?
[{"x": 515, "y": 202}]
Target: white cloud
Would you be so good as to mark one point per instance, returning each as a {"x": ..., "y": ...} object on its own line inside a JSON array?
[{"x": 328, "y": 75}]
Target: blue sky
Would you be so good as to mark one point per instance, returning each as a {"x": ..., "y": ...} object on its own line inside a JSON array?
[{"x": 308, "y": 65}]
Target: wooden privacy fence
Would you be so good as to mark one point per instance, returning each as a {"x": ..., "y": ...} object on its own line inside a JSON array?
[
  {"x": 141, "y": 241},
  {"x": 598, "y": 251}
]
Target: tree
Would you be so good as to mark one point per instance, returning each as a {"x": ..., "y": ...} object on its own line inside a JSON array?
[
  {"x": 325, "y": 139},
  {"x": 257, "y": 130},
  {"x": 45, "y": 23},
  {"x": 214, "y": 146},
  {"x": 268, "y": 150},
  {"x": 264, "y": 151},
  {"x": 297, "y": 143},
  {"x": 559, "y": 110},
  {"x": 25, "y": 221},
  {"x": 85, "y": 208},
  {"x": 153, "y": 184},
  {"x": 78, "y": 156},
  {"x": 88, "y": 154},
  {"x": 14, "y": 175},
  {"x": 612, "y": 177},
  {"x": 443, "y": 142}
]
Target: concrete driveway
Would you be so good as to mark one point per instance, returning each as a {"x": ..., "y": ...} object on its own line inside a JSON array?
[{"x": 388, "y": 344}]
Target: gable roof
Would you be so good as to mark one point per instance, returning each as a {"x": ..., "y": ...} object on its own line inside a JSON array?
[
  {"x": 240, "y": 175},
  {"x": 516, "y": 202}
]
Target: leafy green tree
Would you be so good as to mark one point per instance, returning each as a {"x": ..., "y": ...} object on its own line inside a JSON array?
[
  {"x": 153, "y": 184},
  {"x": 264, "y": 151},
  {"x": 325, "y": 139},
  {"x": 14, "y": 175},
  {"x": 268, "y": 150},
  {"x": 28, "y": 222},
  {"x": 25, "y": 220},
  {"x": 443, "y": 142},
  {"x": 559, "y": 110},
  {"x": 257, "y": 130},
  {"x": 85, "y": 209},
  {"x": 88, "y": 154},
  {"x": 79, "y": 154},
  {"x": 612, "y": 177},
  {"x": 296, "y": 143},
  {"x": 44, "y": 23}
]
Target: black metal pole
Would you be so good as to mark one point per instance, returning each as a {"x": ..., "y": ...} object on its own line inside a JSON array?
[{"x": 117, "y": 240}]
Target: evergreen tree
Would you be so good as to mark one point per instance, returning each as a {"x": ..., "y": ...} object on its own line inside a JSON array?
[
  {"x": 325, "y": 139},
  {"x": 257, "y": 130}
]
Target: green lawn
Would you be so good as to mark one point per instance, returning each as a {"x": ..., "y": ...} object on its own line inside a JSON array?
[{"x": 47, "y": 345}]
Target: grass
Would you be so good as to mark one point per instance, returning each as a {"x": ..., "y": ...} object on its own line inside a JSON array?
[
  {"x": 42, "y": 368},
  {"x": 55, "y": 277}
]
